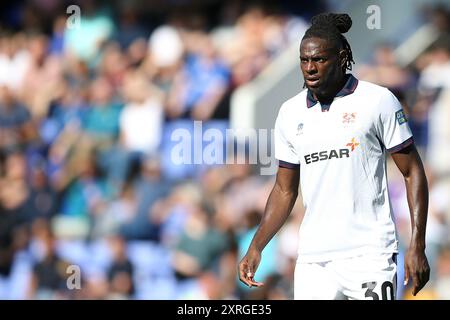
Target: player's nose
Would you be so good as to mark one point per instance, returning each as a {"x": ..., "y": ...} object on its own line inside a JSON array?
[{"x": 310, "y": 67}]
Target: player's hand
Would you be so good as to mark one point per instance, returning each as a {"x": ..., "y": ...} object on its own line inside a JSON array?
[
  {"x": 416, "y": 267},
  {"x": 248, "y": 266}
]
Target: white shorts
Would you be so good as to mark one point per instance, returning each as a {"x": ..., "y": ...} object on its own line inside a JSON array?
[{"x": 368, "y": 277}]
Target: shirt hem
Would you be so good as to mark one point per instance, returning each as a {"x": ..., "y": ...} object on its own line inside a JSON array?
[{"x": 314, "y": 258}]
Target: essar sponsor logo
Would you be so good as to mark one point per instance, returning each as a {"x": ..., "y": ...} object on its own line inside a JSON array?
[
  {"x": 326, "y": 155},
  {"x": 330, "y": 154}
]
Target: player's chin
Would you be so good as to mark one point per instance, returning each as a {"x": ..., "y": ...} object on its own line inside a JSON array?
[{"x": 316, "y": 88}]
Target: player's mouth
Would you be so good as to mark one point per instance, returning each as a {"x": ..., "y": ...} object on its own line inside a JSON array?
[{"x": 312, "y": 82}]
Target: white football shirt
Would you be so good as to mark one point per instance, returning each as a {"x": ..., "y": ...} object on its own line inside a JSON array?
[{"x": 341, "y": 151}]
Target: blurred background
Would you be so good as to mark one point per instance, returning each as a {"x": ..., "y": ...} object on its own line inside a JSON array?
[{"x": 88, "y": 104}]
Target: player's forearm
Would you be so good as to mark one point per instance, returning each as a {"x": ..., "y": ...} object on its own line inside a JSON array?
[
  {"x": 417, "y": 194},
  {"x": 278, "y": 208}
]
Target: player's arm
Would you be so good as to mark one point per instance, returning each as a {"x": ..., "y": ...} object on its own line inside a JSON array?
[
  {"x": 278, "y": 207},
  {"x": 416, "y": 264}
]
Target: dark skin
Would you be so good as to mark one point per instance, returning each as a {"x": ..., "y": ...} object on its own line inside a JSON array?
[
  {"x": 323, "y": 68},
  {"x": 278, "y": 207},
  {"x": 320, "y": 60},
  {"x": 416, "y": 264}
]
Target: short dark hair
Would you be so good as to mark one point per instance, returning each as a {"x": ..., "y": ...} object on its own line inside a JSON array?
[{"x": 330, "y": 27}]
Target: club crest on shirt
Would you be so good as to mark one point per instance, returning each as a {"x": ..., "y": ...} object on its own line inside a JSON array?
[
  {"x": 300, "y": 129},
  {"x": 348, "y": 117}
]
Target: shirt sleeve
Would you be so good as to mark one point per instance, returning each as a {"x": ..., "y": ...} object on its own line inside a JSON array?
[
  {"x": 284, "y": 150},
  {"x": 393, "y": 128}
]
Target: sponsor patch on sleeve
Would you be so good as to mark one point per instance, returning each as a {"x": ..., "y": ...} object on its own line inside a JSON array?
[{"x": 400, "y": 116}]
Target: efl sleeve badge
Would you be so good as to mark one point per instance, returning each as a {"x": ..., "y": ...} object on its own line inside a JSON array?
[{"x": 400, "y": 116}]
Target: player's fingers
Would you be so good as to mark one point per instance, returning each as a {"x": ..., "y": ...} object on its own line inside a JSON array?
[
  {"x": 406, "y": 279},
  {"x": 256, "y": 283},
  {"x": 250, "y": 277},
  {"x": 423, "y": 278},
  {"x": 247, "y": 278},
  {"x": 416, "y": 283},
  {"x": 245, "y": 281},
  {"x": 241, "y": 268},
  {"x": 250, "y": 274},
  {"x": 426, "y": 276},
  {"x": 243, "y": 276},
  {"x": 246, "y": 275}
]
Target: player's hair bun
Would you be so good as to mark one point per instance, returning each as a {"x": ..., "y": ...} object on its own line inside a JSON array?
[{"x": 341, "y": 21}]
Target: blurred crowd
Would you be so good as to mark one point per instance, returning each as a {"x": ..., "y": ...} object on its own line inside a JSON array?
[{"x": 86, "y": 175}]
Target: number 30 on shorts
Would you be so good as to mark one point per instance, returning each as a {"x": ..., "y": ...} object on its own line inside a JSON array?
[{"x": 370, "y": 286}]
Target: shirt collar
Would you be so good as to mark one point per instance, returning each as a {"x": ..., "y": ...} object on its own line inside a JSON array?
[{"x": 348, "y": 88}]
